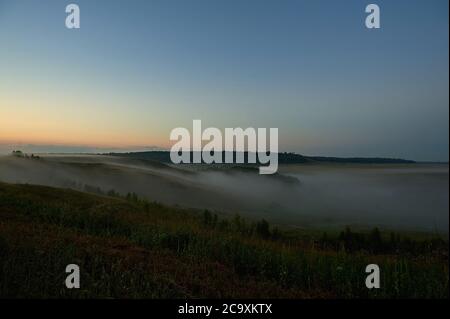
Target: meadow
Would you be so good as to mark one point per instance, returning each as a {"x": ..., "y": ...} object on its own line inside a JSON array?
[{"x": 128, "y": 247}]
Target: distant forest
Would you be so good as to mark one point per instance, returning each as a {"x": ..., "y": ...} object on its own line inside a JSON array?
[{"x": 283, "y": 158}]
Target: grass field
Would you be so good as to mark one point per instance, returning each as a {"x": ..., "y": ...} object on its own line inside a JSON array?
[{"x": 131, "y": 248}]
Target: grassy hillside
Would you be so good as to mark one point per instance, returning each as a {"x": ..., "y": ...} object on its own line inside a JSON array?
[{"x": 130, "y": 248}]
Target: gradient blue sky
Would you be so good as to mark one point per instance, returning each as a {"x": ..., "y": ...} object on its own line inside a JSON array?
[{"x": 137, "y": 69}]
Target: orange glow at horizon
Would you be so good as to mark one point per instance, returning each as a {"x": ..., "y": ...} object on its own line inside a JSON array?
[{"x": 24, "y": 125}]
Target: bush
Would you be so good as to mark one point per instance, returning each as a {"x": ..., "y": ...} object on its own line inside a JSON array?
[
  {"x": 262, "y": 229},
  {"x": 4, "y": 248}
]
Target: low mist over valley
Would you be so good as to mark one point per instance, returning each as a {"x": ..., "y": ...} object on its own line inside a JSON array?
[{"x": 393, "y": 196}]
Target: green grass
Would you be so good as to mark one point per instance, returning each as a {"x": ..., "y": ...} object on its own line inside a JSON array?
[{"x": 130, "y": 248}]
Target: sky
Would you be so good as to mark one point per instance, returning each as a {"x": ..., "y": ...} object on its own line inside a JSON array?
[{"x": 137, "y": 69}]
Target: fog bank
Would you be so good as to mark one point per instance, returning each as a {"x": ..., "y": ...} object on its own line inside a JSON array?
[{"x": 389, "y": 196}]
